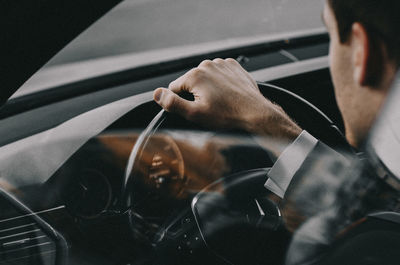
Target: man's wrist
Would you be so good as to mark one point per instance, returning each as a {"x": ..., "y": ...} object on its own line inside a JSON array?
[{"x": 276, "y": 125}]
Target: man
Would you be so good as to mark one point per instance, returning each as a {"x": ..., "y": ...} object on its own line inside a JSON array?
[{"x": 364, "y": 57}]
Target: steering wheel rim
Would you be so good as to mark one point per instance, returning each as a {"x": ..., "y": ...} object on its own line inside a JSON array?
[
  {"x": 308, "y": 118},
  {"x": 317, "y": 123}
]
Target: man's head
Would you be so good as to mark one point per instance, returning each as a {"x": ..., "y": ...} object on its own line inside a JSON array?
[{"x": 364, "y": 56}]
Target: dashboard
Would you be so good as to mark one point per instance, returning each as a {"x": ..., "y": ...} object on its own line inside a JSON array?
[{"x": 110, "y": 217}]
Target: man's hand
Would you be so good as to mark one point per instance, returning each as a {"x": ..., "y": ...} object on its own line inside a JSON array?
[{"x": 226, "y": 96}]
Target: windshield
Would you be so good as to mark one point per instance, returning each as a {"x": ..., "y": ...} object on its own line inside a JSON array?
[
  {"x": 141, "y": 25},
  {"x": 147, "y": 32}
]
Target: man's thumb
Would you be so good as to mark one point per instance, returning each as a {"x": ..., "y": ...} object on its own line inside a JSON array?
[{"x": 170, "y": 101}]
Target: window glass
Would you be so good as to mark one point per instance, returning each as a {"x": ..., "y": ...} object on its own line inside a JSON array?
[{"x": 141, "y": 25}]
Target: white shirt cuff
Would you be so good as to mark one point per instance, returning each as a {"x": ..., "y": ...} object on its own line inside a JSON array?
[{"x": 289, "y": 162}]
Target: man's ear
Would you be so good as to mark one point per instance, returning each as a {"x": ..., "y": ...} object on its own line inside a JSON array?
[
  {"x": 360, "y": 53},
  {"x": 367, "y": 57}
]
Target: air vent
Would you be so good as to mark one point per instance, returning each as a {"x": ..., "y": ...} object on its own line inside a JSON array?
[
  {"x": 25, "y": 238},
  {"x": 23, "y": 242}
]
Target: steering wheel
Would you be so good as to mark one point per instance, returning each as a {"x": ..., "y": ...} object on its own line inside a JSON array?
[{"x": 240, "y": 211}]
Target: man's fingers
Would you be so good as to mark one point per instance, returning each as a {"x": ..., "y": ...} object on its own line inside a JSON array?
[
  {"x": 171, "y": 102},
  {"x": 238, "y": 69},
  {"x": 186, "y": 81},
  {"x": 178, "y": 85}
]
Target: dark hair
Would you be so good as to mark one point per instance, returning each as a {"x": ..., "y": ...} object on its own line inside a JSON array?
[{"x": 381, "y": 19}]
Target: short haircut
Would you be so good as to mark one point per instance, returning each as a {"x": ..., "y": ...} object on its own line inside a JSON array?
[{"x": 381, "y": 18}]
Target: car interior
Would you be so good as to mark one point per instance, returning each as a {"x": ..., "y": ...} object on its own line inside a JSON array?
[{"x": 140, "y": 192}]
